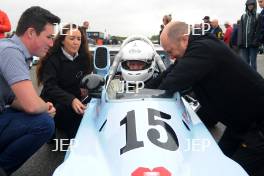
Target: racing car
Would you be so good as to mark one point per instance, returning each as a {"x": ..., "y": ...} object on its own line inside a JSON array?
[{"x": 144, "y": 133}]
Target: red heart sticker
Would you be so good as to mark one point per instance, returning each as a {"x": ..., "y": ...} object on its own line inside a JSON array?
[{"x": 142, "y": 171}]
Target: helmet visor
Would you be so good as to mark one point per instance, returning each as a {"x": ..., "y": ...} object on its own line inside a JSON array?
[{"x": 134, "y": 65}]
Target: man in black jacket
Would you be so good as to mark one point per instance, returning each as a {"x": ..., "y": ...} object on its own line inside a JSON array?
[
  {"x": 261, "y": 22},
  {"x": 216, "y": 30},
  {"x": 223, "y": 83},
  {"x": 248, "y": 34}
]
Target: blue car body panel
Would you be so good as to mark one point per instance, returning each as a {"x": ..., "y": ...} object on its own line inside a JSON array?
[{"x": 101, "y": 137}]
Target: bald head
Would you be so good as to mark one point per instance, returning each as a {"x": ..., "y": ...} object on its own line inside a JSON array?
[
  {"x": 214, "y": 23},
  {"x": 174, "y": 30},
  {"x": 174, "y": 37}
]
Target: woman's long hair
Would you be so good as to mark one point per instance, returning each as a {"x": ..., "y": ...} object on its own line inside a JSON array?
[{"x": 56, "y": 48}]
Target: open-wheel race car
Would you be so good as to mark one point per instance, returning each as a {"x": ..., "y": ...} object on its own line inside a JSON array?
[{"x": 129, "y": 130}]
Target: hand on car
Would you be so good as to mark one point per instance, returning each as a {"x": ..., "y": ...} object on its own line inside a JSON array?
[
  {"x": 77, "y": 106},
  {"x": 51, "y": 109},
  {"x": 84, "y": 93}
]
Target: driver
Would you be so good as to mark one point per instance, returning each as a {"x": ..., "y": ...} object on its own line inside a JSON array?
[
  {"x": 135, "y": 65},
  {"x": 137, "y": 61}
]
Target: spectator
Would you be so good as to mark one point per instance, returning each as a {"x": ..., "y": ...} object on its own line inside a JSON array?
[
  {"x": 197, "y": 29},
  {"x": 206, "y": 19},
  {"x": 228, "y": 33},
  {"x": 5, "y": 25},
  {"x": 261, "y": 22},
  {"x": 247, "y": 39},
  {"x": 161, "y": 29},
  {"x": 25, "y": 119},
  {"x": 234, "y": 36},
  {"x": 85, "y": 25},
  {"x": 222, "y": 83},
  {"x": 207, "y": 25},
  {"x": 166, "y": 19},
  {"x": 216, "y": 30},
  {"x": 60, "y": 72}
]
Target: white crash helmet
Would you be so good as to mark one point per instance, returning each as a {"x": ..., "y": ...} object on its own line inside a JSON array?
[{"x": 140, "y": 51}]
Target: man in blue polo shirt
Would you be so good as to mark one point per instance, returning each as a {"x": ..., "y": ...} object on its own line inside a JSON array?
[{"x": 25, "y": 119}]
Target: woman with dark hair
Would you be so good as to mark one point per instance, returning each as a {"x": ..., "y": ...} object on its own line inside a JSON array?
[{"x": 60, "y": 73}]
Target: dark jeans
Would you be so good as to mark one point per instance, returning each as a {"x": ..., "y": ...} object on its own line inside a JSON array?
[
  {"x": 247, "y": 149},
  {"x": 67, "y": 120},
  {"x": 21, "y": 135},
  {"x": 250, "y": 56},
  {"x": 250, "y": 155},
  {"x": 230, "y": 141}
]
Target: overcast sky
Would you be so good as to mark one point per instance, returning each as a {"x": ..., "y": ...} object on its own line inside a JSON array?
[{"x": 127, "y": 17}]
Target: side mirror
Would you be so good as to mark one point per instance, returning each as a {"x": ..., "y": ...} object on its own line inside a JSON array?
[
  {"x": 93, "y": 83},
  {"x": 101, "y": 60}
]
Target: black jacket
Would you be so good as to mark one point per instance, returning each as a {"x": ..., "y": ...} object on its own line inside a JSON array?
[
  {"x": 217, "y": 32},
  {"x": 222, "y": 81},
  {"x": 61, "y": 78},
  {"x": 261, "y": 27},
  {"x": 233, "y": 41},
  {"x": 248, "y": 30}
]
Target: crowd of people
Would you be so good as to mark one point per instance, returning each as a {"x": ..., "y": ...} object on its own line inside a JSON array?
[
  {"x": 226, "y": 84},
  {"x": 245, "y": 37}
]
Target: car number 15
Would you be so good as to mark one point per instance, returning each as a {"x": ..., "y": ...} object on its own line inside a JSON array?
[{"x": 153, "y": 134}]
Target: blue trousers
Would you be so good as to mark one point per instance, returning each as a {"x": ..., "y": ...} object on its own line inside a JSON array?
[
  {"x": 21, "y": 135},
  {"x": 250, "y": 56}
]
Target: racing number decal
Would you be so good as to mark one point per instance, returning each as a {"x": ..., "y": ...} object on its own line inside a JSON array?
[
  {"x": 171, "y": 144},
  {"x": 131, "y": 134},
  {"x": 153, "y": 134}
]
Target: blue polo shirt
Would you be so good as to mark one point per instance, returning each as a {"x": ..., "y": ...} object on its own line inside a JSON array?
[{"x": 13, "y": 67}]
